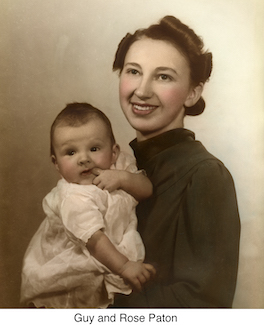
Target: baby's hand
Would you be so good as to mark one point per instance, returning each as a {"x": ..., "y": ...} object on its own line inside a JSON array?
[
  {"x": 137, "y": 274},
  {"x": 108, "y": 179}
]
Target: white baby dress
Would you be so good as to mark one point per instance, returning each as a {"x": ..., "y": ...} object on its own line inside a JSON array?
[{"x": 58, "y": 270}]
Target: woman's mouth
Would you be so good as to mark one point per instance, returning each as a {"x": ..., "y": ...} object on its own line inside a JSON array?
[{"x": 143, "y": 109}]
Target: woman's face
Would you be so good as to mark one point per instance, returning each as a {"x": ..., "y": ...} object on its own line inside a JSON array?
[{"x": 154, "y": 87}]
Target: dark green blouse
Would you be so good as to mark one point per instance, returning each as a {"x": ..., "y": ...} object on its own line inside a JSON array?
[{"x": 190, "y": 225}]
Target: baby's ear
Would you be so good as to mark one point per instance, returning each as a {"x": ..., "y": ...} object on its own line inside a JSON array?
[
  {"x": 54, "y": 161},
  {"x": 115, "y": 152}
]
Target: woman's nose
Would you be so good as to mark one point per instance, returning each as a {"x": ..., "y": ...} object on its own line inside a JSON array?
[{"x": 144, "y": 89}]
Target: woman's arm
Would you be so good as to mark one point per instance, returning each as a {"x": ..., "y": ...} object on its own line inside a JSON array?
[{"x": 136, "y": 184}]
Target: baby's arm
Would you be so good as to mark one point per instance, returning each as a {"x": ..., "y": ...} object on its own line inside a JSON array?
[
  {"x": 134, "y": 273},
  {"x": 136, "y": 184}
]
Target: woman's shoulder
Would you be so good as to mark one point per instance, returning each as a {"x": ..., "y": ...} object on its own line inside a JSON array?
[
  {"x": 183, "y": 157},
  {"x": 185, "y": 161},
  {"x": 213, "y": 171},
  {"x": 204, "y": 163},
  {"x": 205, "y": 168}
]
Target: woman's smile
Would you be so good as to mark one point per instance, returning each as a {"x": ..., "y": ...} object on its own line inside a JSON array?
[{"x": 143, "y": 109}]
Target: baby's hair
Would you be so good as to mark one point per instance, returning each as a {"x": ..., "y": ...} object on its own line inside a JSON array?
[
  {"x": 172, "y": 30},
  {"x": 78, "y": 114}
]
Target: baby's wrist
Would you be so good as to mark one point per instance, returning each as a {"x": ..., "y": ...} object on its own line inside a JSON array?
[
  {"x": 123, "y": 179},
  {"x": 123, "y": 267}
]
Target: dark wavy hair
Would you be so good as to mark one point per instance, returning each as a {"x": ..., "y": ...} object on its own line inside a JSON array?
[
  {"x": 172, "y": 30},
  {"x": 78, "y": 114}
]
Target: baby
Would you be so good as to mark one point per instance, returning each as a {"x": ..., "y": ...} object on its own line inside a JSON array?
[{"x": 87, "y": 248}]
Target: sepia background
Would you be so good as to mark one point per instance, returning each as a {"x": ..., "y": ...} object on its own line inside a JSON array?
[{"x": 54, "y": 52}]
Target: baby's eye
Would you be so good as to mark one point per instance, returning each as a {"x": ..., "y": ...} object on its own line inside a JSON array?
[
  {"x": 94, "y": 149},
  {"x": 70, "y": 152}
]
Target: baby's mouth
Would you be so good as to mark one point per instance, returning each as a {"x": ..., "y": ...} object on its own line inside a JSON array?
[{"x": 86, "y": 172}]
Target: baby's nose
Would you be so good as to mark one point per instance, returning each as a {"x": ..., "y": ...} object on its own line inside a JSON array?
[{"x": 84, "y": 159}]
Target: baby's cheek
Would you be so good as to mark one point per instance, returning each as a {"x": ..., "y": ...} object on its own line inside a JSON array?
[
  {"x": 68, "y": 171},
  {"x": 104, "y": 162}
]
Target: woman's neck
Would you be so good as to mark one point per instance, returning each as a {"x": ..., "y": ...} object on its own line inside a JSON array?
[{"x": 145, "y": 136}]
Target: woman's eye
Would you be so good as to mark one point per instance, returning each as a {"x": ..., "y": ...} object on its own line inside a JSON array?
[
  {"x": 164, "y": 77},
  {"x": 132, "y": 71}
]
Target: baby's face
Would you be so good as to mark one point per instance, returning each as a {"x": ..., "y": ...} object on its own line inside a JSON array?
[{"x": 80, "y": 149}]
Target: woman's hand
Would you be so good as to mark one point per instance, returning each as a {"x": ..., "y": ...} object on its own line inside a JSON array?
[{"x": 137, "y": 274}]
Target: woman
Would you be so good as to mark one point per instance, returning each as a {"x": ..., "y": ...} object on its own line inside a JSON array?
[{"x": 190, "y": 226}]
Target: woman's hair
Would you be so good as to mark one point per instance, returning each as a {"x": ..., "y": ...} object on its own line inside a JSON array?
[
  {"x": 172, "y": 30},
  {"x": 78, "y": 114}
]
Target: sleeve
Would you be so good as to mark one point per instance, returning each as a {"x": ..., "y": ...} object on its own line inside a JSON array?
[
  {"x": 82, "y": 216},
  {"x": 206, "y": 248}
]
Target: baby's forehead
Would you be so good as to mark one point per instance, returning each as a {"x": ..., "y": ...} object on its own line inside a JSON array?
[
  {"x": 93, "y": 128},
  {"x": 89, "y": 129},
  {"x": 91, "y": 119}
]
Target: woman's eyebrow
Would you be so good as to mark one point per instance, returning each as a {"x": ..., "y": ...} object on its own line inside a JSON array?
[
  {"x": 161, "y": 69},
  {"x": 133, "y": 64},
  {"x": 158, "y": 69}
]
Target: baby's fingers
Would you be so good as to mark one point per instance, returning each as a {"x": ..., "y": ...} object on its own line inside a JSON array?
[
  {"x": 136, "y": 284},
  {"x": 151, "y": 269},
  {"x": 144, "y": 277},
  {"x": 96, "y": 171},
  {"x": 98, "y": 182}
]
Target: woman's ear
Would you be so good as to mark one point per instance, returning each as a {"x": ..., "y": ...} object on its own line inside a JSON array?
[
  {"x": 54, "y": 161},
  {"x": 194, "y": 95},
  {"x": 115, "y": 152}
]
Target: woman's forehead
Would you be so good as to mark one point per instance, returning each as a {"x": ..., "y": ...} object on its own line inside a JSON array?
[{"x": 156, "y": 52}]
